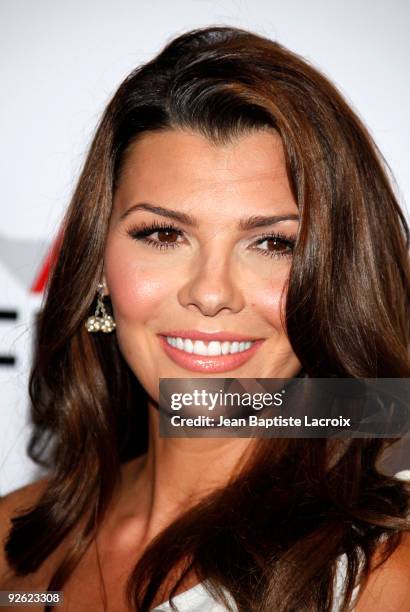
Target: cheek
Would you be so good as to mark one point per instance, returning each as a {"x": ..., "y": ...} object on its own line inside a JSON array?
[
  {"x": 267, "y": 302},
  {"x": 134, "y": 294},
  {"x": 136, "y": 289}
]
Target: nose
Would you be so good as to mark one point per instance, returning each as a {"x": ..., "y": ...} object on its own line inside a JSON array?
[{"x": 211, "y": 288}]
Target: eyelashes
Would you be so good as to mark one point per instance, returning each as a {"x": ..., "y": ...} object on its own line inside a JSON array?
[
  {"x": 170, "y": 231},
  {"x": 143, "y": 232}
]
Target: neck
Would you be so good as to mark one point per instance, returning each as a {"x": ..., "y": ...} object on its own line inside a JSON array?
[{"x": 176, "y": 473}]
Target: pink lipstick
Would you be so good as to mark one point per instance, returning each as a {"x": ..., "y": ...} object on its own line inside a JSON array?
[{"x": 184, "y": 342}]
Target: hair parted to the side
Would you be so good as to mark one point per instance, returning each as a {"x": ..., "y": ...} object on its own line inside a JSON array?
[{"x": 271, "y": 537}]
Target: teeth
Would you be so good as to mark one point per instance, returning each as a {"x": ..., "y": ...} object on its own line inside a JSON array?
[
  {"x": 214, "y": 348},
  {"x": 234, "y": 347},
  {"x": 200, "y": 348},
  {"x": 225, "y": 347},
  {"x": 211, "y": 349},
  {"x": 187, "y": 345}
]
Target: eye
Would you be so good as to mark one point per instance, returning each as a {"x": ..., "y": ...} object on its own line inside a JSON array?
[
  {"x": 277, "y": 245},
  {"x": 166, "y": 235}
]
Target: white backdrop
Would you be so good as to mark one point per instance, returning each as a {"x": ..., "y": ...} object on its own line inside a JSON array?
[{"x": 61, "y": 61}]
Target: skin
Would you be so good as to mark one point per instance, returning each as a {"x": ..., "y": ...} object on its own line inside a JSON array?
[{"x": 213, "y": 282}]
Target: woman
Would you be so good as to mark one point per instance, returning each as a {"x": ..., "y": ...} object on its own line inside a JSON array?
[{"x": 238, "y": 216}]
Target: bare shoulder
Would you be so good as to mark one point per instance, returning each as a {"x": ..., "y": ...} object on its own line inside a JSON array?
[
  {"x": 388, "y": 587},
  {"x": 14, "y": 503},
  {"x": 19, "y": 499}
]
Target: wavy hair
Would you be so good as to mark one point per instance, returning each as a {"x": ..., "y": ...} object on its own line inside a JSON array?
[{"x": 272, "y": 535}]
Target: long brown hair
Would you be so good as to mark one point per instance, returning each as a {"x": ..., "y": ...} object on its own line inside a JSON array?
[{"x": 272, "y": 536}]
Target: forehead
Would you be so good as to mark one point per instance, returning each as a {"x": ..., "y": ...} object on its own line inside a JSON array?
[{"x": 176, "y": 166}]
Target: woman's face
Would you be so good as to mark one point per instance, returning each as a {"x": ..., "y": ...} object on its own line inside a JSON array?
[{"x": 191, "y": 252}]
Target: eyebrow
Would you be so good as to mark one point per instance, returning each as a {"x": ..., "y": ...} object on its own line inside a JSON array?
[{"x": 244, "y": 224}]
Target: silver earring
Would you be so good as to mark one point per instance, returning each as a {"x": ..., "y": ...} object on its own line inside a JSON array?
[{"x": 100, "y": 321}]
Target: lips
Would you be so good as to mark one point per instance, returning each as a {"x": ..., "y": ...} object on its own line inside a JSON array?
[{"x": 209, "y": 363}]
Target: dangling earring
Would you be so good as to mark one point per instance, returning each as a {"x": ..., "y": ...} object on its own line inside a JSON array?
[{"x": 100, "y": 321}]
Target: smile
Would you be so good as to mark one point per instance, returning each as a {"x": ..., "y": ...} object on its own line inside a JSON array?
[
  {"x": 213, "y": 348},
  {"x": 209, "y": 356}
]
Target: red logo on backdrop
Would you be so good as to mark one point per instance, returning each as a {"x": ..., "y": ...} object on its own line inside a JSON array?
[{"x": 41, "y": 277}]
